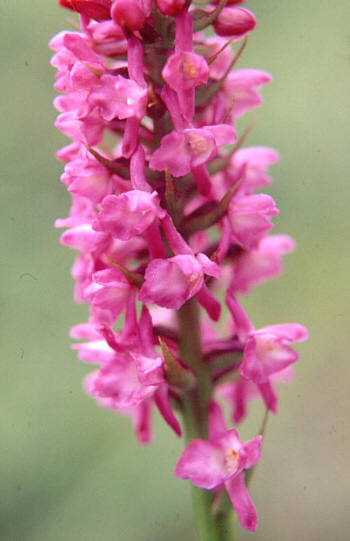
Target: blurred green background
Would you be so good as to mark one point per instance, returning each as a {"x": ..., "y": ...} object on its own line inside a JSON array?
[{"x": 71, "y": 471}]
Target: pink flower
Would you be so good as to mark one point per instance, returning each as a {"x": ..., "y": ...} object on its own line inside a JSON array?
[
  {"x": 85, "y": 177},
  {"x": 241, "y": 87},
  {"x": 262, "y": 263},
  {"x": 268, "y": 352},
  {"x": 249, "y": 217},
  {"x": 183, "y": 276},
  {"x": 128, "y": 214},
  {"x": 252, "y": 163},
  {"x": 195, "y": 146},
  {"x": 241, "y": 392},
  {"x": 82, "y": 237},
  {"x": 132, "y": 378},
  {"x": 117, "y": 97},
  {"x": 221, "y": 461},
  {"x": 109, "y": 294},
  {"x": 183, "y": 72}
]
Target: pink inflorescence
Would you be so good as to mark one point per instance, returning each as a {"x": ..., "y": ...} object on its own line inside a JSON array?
[{"x": 165, "y": 213}]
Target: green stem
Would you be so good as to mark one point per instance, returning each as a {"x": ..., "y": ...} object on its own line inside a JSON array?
[{"x": 209, "y": 527}]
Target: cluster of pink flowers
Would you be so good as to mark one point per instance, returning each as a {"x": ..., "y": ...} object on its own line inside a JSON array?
[{"x": 168, "y": 224}]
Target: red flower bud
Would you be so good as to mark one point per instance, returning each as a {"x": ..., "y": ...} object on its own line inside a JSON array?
[
  {"x": 128, "y": 13},
  {"x": 170, "y": 7},
  {"x": 95, "y": 9},
  {"x": 234, "y": 21}
]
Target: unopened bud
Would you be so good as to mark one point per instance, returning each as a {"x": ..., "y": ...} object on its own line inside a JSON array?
[
  {"x": 170, "y": 7},
  {"x": 94, "y": 9},
  {"x": 234, "y": 21},
  {"x": 128, "y": 14}
]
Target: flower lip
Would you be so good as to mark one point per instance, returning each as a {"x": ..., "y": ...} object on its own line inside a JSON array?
[{"x": 231, "y": 460}]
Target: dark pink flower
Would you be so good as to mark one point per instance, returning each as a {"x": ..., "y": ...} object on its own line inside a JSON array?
[{"x": 221, "y": 461}]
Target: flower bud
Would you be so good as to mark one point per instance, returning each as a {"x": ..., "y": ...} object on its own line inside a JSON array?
[
  {"x": 95, "y": 9},
  {"x": 234, "y": 21},
  {"x": 170, "y": 7},
  {"x": 128, "y": 14}
]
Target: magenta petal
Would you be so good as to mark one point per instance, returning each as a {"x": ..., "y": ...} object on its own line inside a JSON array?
[
  {"x": 210, "y": 267},
  {"x": 203, "y": 463},
  {"x": 242, "y": 502},
  {"x": 149, "y": 370},
  {"x": 223, "y": 134},
  {"x": 135, "y": 64},
  {"x": 291, "y": 332},
  {"x": 217, "y": 423},
  {"x": 142, "y": 422},
  {"x": 184, "y": 32},
  {"x": 269, "y": 396},
  {"x": 186, "y": 102},
  {"x": 130, "y": 139},
  {"x": 202, "y": 179},
  {"x": 200, "y": 145},
  {"x": 129, "y": 214},
  {"x": 172, "y": 146},
  {"x": 185, "y": 71},
  {"x": 249, "y": 78},
  {"x": 109, "y": 302},
  {"x": 209, "y": 303},
  {"x": 243, "y": 325},
  {"x": 252, "y": 451},
  {"x": 175, "y": 239},
  {"x": 155, "y": 242},
  {"x": 171, "y": 101},
  {"x": 166, "y": 284},
  {"x": 118, "y": 97},
  {"x": 82, "y": 237},
  {"x": 137, "y": 170},
  {"x": 161, "y": 398}
]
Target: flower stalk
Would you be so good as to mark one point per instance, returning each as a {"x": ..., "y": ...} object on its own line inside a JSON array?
[{"x": 171, "y": 230}]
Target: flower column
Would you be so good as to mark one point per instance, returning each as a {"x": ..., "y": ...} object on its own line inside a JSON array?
[{"x": 169, "y": 231}]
